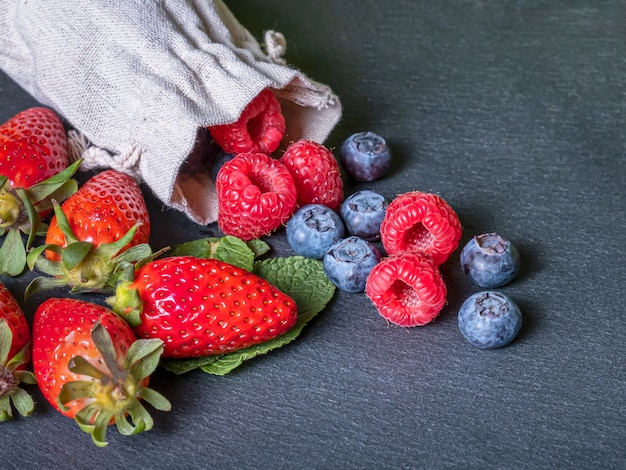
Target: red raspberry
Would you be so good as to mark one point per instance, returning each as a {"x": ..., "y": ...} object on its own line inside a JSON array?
[
  {"x": 255, "y": 195},
  {"x": 421, "y": 222},
  {"x": 316, "y": 173},
  {"x": 407, "y": 289},
  {"x": 260, "y": 128}
]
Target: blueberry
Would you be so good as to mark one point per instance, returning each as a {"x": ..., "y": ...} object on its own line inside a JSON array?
[
  {"x": 489, "y": 319},
  {"x": 363, "y": 212},
  {"x": 312, "y": 230},
  {"x": 348, "y": 263},
  {"x": 365, "y": 155},
  {"x": 490, "y": 260}
]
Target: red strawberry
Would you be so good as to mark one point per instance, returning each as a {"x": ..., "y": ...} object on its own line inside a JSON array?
[
  {"x": 107, "y": 206},
  {"x": 407, "y": 289},
  {"x": 14, "y": 355},
  {"x": 201, "y": 307},
  {"x": 102, "y": 221},
  {"x": 421, "y": 222},
  {"x": 316, "y": 173},
  {"x": 255, "y": 195},
  {"x": 260, "y": 128},
  {"x": 33, "y": 171},
  {"x": 90, "y": 367},
  {"x": 33, "y": 147}
]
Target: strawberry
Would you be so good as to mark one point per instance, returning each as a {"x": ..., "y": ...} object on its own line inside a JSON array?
[
  {"x": 315, "y": 172},
  {"x": 90, "y": 367},
  {"x": 14, "y": 355},
  {"x": 255, "y": 195},
  {"x": 102, "y": 220},
  {"x": 260, "y": 127},
  {"x": 33, "y": 147},
  {"x": 103, "y": 210},
  {"x": 421, "y": 222},
  {"x": 33, "y": 170},
  {"x": 201, "y": 307},
  {"x": 407, "y": 289}
]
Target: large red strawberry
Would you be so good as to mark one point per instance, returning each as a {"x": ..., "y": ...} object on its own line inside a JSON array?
[
  {"x": 201, "y": 307},
  {"x": 15, "y": 351},
  {"x": 90, "y": 367},
  {"x": 316, "y": 173},
  {"x": 260, "y": 128},
  {"x": 256, "y": 194},
  {"x": 33, "y": 171},
  {"x": 104, "y": 219},
  {"x": 33, "y": 147}
]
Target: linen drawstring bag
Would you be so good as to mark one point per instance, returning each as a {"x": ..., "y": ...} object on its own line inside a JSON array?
[{"x": 139, "y": 81}]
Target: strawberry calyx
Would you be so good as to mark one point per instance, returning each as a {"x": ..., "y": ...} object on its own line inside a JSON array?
[
  {"x": 127, "y": 303},
  {"x": 21, "y": 211},
  {"x": 113, "y": 393},
  {"x": 83, "y": 266},
  {"x": 12, "y": 376}
]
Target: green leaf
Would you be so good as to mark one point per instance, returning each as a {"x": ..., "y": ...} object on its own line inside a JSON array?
[
  {"x": 40, "y": 284},
  {"x": 259, "y": 247},
  {"x": 64, "y": 224},
  {"x": 143, "y": 357},
  {"x": 6, "y": 338},
  {"x": 48, "y": 187},
  {"x": 229, "y": 249},
  {"x": 33, "y": 217},
  {"x": 60, "y": 194},
  {"x": 182, "y": 366},
  {"x": 6, "y": 412},
  {"x": 12, "y": 254},
  {"x": 302, "y": 279},
  {"x": 158, "y": 401},
  {"x": 74, "y": 254},
  {"x": 22, "y": 402}
]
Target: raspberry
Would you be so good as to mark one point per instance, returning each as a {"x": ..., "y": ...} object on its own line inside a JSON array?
[
  {"x": 255, "y": 195},
  {"x": 421, "y": 222},
  {"x": 316, "y": 173},
  {"x": 407, "y": 289},
  {"x": 260, "y": 128}
]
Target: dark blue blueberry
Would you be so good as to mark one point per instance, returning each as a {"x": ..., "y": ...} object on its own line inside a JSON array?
[
  {"x": 313, "y": 229},
  {"x": 365, "y": 156},
  {"x": 490, "y": 260},
  {"x": 363, "y": 212},
  {"x": 489, "y": 319},
  {"x": 348, "y": 263}
]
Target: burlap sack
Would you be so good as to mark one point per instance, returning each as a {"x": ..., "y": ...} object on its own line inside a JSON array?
[{"x": 140, "y": 80}]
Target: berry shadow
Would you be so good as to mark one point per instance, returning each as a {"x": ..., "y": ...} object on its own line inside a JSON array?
[
  {"x": 532, "y": 261},
  {"x": 529, "y": 318}
]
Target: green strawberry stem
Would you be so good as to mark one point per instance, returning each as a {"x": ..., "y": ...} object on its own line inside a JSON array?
[
  {"x": 20, "y": 212},
  {"x": 9, "y": 205},
  {"x": 85, "y": 267},
  {"x": 11, "y": 395},
  {"x": 115, "y": 392},
  {"x": 127, "y": 303}
]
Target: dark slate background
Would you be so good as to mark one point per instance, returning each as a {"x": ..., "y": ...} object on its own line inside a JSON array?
[{"x": 512, "y": 111}]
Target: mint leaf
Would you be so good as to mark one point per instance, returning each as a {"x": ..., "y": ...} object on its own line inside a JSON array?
[
  {"x": 259, "y": 247},
  {"x": 302, "y": 279},
  {"x": 229, "y": 249}
]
